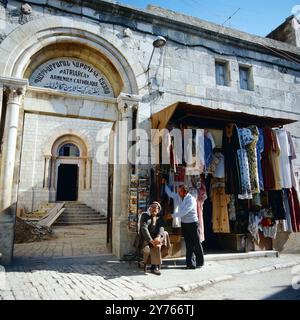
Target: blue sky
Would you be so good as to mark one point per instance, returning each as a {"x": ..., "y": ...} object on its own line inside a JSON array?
[{"x": 258, "y": 17}]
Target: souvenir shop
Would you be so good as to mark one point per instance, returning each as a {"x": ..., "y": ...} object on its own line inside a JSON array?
[{"x": 246, "y": 186}]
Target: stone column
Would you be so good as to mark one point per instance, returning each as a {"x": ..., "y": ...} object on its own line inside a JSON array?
[
  {"x": 121, "y": 241},
  {"x": 88, "y": 173},
  {"x": 53, "y": 179},
  {"x": 47, "y": 172},
  {"x": 15, "y": 90},
  {"x": 15, "y": 95},
  {"x": 1, "y": 101}
]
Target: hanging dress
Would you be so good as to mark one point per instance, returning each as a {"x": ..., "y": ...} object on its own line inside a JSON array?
[{"x": 231, "y": 144}]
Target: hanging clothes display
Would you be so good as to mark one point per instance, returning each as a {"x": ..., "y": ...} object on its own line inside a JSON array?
[
  {"x": 202, "y": 196},
  {"x": 285, "y": 153},
  {"x": 277, "y": 204},
  {"x": 231, "y": 144},
  {"x": 294, "y": 209},
  {"x": 220, "y": 200},
  {"x": 267, "y": 170},
  {"x": 260, "y": 150},
  {"x": 293, "y": 157},
  {"x": 209, "y": 145},
  {"x": 275, "y": 160},
  {"x": 243, "y": 184},
  {"x": 252, "y": 157},
  {"x": 287, "y": 224},
  {"x": 246, "y": 138}
]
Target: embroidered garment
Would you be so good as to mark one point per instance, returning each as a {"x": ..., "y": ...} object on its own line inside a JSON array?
[
  {"x": 220, "y": 200},
  {"x": 246, "y": 138},
  {"x": 252, "y": 157}
]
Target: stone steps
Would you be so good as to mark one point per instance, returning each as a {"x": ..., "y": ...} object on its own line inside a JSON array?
[{"x": 79, "y": 213}]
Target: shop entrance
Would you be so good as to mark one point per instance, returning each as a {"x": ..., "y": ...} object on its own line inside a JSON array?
[
  {"x": 232, "y": 209},
  {"x": 67, "y": 182}
]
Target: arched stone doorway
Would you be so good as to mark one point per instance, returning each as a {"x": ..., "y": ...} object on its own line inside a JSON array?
[
  {"x": 69, "y": 169},
  {"x": 54, "y": 39}
]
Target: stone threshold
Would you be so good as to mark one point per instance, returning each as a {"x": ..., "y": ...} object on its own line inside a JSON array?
[{"x": 226, "y": 256}]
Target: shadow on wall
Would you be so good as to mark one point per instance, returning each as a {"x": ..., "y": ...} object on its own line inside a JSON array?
[{"x": 287, "y": 242}]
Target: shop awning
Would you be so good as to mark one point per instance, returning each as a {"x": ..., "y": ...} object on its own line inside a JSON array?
[{"x": 196, "y": 115}]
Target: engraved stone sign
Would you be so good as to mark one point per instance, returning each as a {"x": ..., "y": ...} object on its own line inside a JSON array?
[{"x": 71, "y": 75}]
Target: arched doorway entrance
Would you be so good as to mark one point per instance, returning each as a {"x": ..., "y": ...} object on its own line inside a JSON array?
[
  {"x": 67, "y": 177},
  {"x": 70, "y": 169}
]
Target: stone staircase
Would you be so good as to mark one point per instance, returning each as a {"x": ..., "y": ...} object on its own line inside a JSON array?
[{"x": 79, "y": 213}]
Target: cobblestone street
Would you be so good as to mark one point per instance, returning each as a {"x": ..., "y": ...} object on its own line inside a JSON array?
[
  {"x": 57, "y": 281},
  {"x": 104, "y": 277},
  {"x": 80, "y": 240}
]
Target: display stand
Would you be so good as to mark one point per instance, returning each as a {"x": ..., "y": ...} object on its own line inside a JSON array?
[{"x": 138, "y": 200}]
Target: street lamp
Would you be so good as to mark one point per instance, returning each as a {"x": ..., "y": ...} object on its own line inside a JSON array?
[{"x": 159, "y": 42}]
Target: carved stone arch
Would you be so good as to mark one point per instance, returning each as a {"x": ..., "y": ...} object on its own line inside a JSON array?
[
  {"x": 69, "y": 138},
  {"x": 25, "y": 43},
  {"x": 84, "y": 144}
]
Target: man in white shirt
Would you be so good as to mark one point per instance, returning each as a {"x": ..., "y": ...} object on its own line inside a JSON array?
[
  {"x": 176, "y": 222},
  {"x": 187, "y": 211}
]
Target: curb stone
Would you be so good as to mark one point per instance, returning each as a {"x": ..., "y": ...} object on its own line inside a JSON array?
[
  {"x": 189, "y": 287},
  {"x": 181, "y": 288},
  {"x": 274, "y": 267}
]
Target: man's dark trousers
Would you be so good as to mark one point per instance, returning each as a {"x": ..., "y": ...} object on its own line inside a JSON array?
[{"x": 193, "y": 244}]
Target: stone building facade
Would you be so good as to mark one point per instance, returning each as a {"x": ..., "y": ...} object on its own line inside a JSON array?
[{"x": 71, "y": 70}]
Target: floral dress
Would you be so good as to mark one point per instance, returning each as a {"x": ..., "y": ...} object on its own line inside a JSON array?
[
  {"x": 252, "y": 157},
  {"x": 246, "y": 138}
]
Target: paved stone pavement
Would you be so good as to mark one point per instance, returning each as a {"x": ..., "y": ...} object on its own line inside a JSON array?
[
  {"x": 105, "y": 277},
  {"x": 80, "y": 240}
]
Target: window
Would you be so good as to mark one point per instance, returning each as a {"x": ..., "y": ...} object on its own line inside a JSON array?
[
  {"x": 69, "y": 150},
  {"x": 221, "y": 73},
  {"x": 245, "y": 78}
]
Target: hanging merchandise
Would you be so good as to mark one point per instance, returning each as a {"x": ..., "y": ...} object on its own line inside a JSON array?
[
  {"x": 202, "y": 196},
  {"x": 292, "y": 157},
  {"x": 209, "y": 145},
  {"x": 277, "y": 204},
  {"x": 275, "y": 160},
  {"x": 246, "y": 138},
  {"x": 217, "y": 166},
  {"x": 294, "y": 209},
  {"x": 139, "y": 196},
  {"x": 237, "y": 182},
  {"x": 231, "y": 143},
  {"x": 220, "y": 201},
  {"x": 252, "y": 157},
  {"x": 285, "y": 153},
  {"x": 259, "y": 151},
  {"x": 287, "y": 224},
  {"x": 267, "y": 166}
]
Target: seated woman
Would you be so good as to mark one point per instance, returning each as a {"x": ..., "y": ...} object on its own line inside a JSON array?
[{"x": 152, "y": 239}]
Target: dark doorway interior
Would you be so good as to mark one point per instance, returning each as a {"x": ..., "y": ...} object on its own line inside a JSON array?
[{"x": 67, "y": 183}]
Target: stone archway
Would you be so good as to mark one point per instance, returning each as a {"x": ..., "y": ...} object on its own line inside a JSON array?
[
  {"x": 54, "y": 160},
  {"x": 34, "y": 43}
]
